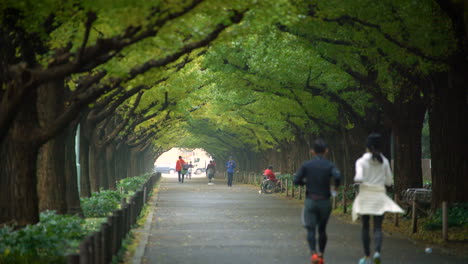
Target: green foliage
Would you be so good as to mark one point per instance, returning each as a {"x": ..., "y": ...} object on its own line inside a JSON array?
[
  {"x": 132, "y": 184},
  {"x": 101, "y": 204},
  {"x": 457, "y": 216},
  {"x": 46, "y": 242},
  {"x": 93, "y": 224},
  {"x": 350, "y": 193}
]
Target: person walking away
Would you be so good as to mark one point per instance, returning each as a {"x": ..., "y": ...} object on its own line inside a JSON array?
[
  {"x": 316, "y": 175},
  {"x": 179, "y": 168},
  {"x": 230, "y": 165},
  {"x": 189, "y": 170},
  {"x": 373, "y": 173},
  {"x": 210, "y": 171}
]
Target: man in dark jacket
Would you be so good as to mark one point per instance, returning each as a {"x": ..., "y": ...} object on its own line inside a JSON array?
[{"x": 316, "y": 175}]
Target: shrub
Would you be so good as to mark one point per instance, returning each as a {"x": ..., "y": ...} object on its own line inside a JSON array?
[
  {"x": 101, "y": 204},
  {"x": 457, "y": 216},
  {"x": 350, "y": 193},
  {"x": 46, "y": 242},
  {"x": 132, "y": 184}
]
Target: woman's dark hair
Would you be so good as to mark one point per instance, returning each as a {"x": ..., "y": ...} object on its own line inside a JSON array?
[
  {"x": 270, "y": 167},
  {"x": 180, "y": 157},
  {"x": 374, "y": 143}
]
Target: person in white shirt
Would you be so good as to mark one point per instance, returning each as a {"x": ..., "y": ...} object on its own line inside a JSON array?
[{"x": 373, "y": 173}]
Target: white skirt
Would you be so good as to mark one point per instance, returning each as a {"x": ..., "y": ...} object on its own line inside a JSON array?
[{"x": 373, "y": 200}]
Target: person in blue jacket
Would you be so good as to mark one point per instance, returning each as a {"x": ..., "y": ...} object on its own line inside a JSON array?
[{"x": 230, "y": 165}]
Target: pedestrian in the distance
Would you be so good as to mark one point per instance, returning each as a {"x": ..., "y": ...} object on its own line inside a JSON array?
[
  {"x": 230, "y": 166},
  {"x": 316, "y": 175},
  {"x": 373, "y": 173},
  {"x": 210, "y": 171},
  {"x": 189, "y": 170},
  {"x": 179, "y": 168}
]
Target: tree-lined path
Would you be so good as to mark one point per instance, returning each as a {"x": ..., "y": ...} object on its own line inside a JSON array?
[
  {"x": 197, "y": 223},
  {"x": 94, "y": 91}
]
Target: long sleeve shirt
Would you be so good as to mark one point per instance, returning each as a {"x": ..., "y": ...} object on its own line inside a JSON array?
[
  {"x": 316, "y": 175},
  {"x": 372, "y": 172},
  {"x": 230, "y": 165}
]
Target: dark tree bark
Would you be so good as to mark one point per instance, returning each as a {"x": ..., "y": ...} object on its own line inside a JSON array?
[
  {"x": 57, "y": 177},
  {"x": 51, "y": 178},
  {"x": 448, "y": 117},
  {"x": 51, "y": 159},
  {"x": 110, "y": 165},
  {"x": 18, "y": 182},
  {"x": 85, "y": 183},
  {"x": 407, "y": 129},
  {"x": 448, "y": 132},
  {"x": 93, "y": 174}
]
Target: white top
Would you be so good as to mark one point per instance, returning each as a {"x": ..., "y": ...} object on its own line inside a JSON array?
[
  {"x": 372, "y": 198},
  {"x": 372, "y": 172}
]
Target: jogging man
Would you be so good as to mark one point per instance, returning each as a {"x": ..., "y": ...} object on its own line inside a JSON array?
[
  {"x": 316, "y": 175},
  {"x": 230, "y": 166}
]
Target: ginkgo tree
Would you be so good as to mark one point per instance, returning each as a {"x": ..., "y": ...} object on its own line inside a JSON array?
[
  {"x": 250, "y": 78},
  {"x": 38, "y": 71}
]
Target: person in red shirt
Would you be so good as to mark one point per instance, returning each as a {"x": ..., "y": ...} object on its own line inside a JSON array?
[
  {"x": 270, "y": 174},
  {"x": 179, "y": 167}
]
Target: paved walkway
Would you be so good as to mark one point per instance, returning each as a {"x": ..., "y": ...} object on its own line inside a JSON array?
[{"x": 199, "y": 223}]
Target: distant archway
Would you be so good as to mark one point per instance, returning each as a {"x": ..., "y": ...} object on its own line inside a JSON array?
[{"x": 166, "y": 162}]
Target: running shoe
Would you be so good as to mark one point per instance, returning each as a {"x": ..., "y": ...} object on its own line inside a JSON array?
[
  {"x": 365, "y": 260},
  {"x": 377, "y": 258},
  {"x": 321, "y": 261},
  {"x": 315, "y": 259}
]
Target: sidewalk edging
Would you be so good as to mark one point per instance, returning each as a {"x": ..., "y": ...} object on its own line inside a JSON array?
[{"x": 143, "y": 241}]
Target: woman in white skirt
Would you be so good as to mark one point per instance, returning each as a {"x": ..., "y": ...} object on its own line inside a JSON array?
[{"x": 373, "y": 173}]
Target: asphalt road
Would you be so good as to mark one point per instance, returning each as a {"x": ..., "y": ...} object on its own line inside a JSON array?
[{"x": 199, "y": 223}]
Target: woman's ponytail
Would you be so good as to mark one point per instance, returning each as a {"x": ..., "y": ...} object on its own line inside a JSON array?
[{"x": 373, "y": 144}]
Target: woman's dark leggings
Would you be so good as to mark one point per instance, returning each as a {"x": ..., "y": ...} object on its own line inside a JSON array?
[{"x": 378, "y": 219}]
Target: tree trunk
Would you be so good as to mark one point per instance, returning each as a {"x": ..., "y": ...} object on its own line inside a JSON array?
[
  {"x": 85, "y": 183},
  {"x": 51, "y": 159},
  {"x": 133, "y": 163},
  {"x": 50, "y": 174},
  {"x": 19, "y": 202},
  {"x": 110, "y": 165},
  {"x": 122, "y": 162},
  {"x": 448, "y": 132},
  {"x": 407, "y": 129},
  {"x": 94, "y": 170}
]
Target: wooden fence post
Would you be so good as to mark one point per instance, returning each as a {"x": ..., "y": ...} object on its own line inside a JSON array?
[
  {"x": 287, "y": 187},
  {"x": 292, "y": 190},
  {"x": 414, "y": 217},
  {"x": 397, "y": 215},
  {"x": 300, "y": 192},
  {"x": 84, "y": 251},
  {"x": 345, "y": 209},
  {"x": 108, "y": 240},
  {"x": 281, "y": 185},
  {"x": 97, "y": 247},
  {"x": 444, "y": 221}
]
